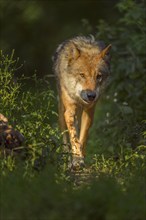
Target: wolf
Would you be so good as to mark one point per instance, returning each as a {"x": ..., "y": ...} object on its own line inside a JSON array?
[{"x": 81, "y": 66}]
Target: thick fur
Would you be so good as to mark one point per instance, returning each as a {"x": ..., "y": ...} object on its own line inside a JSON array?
[{"x": 81, "y": 65}]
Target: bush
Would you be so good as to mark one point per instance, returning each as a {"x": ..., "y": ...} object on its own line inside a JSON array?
[
  {"x": 121, "y": 116},
  {"x": 30, "y": 111}
]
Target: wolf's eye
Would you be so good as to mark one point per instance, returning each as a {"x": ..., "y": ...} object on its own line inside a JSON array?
[
  {"x": 82, "y": 75},
  {"x": 99, "y": 77}
]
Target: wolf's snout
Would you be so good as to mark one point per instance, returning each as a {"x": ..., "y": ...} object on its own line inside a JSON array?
[
  {"x": 91, "y": 95},
  {"x": 88, "y": 95}
]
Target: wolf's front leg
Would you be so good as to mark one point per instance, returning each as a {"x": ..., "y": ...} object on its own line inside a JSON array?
[
  {"x": 69, "y": 115},
  {"x": 86, "y": 122},
  {"x": 77, "y": 152}
]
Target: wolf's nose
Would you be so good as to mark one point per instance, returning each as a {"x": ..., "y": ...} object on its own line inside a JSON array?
[{"x": 91, "y": 95}]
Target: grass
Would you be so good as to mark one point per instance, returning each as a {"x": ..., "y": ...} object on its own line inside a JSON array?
[{"x": 35, "y": 181}]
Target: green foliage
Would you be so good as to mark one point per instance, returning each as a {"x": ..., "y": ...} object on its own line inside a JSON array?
[
  {"x": 31, "y": 113},
  {"x": 9, "y": 90},
  {"x": 122, "y": 114}
]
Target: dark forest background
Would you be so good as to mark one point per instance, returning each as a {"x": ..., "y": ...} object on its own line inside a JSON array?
[{"x": 35, "y": 28}]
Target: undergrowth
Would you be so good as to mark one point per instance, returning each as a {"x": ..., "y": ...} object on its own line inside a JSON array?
[
  {"x": 35, "y": 175},
  {"x": 29, "y": 111}
]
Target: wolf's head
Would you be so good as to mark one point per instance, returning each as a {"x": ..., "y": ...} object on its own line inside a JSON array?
[
  {"x": 84, "y": 68},
  {"x": 88, "y": 66}
]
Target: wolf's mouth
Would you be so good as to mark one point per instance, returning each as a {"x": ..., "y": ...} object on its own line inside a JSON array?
[{"x": 87, "y": 101}]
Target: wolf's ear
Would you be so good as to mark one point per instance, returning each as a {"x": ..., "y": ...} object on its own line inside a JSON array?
[
  {"x": 73, "y": 52},
  {"x": 105, "y": 51}
]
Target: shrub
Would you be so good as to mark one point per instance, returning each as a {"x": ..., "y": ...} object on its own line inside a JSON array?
[
  {"x": 31, "y": 112},
  {"x": 121, "y": 115}
]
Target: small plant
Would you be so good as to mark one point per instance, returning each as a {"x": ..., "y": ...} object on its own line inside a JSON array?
[{"x": 9, "y": 88}]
